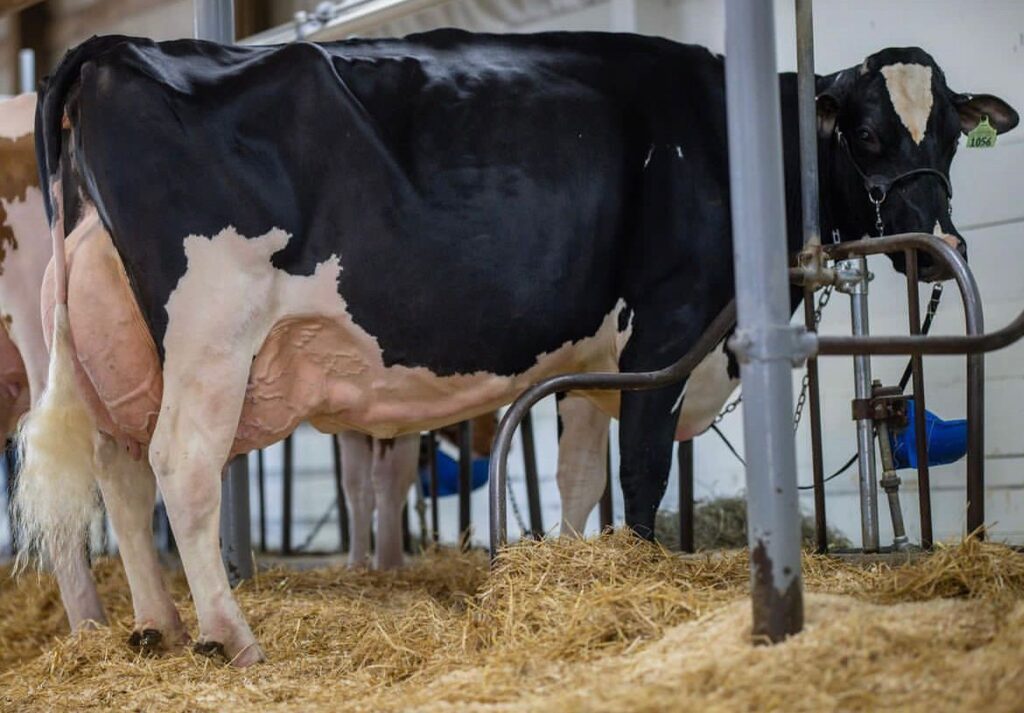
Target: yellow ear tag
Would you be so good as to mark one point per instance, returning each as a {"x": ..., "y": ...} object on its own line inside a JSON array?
[{"x": 982, "y": 136}]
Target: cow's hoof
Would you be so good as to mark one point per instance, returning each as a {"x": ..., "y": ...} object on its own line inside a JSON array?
[
  {"x": 147, "y": 642},
  {"x": 248, "y": 656},
  {"x": 210, "y": 649}
]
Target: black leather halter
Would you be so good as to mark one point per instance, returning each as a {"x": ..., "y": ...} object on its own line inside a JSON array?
[{"x": 878, "y": 186}]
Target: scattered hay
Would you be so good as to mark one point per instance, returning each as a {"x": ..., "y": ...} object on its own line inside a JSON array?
[
  {"x": 721, "y": 523},
  {"x": 561, "y": 625}
]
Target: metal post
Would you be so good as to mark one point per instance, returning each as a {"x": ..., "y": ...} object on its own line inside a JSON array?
[
  {"x": 287, "y": 461},
  {"x": 686, "y": 510},
  {"x": 235, "y": 538},
  {"x": 215, "y": 20},
  {"x": 808, "y": 121},
  {"x": 261, "y": 493},
  {"x": 532, "y": 482},
  {"x": 606, "y": 507},
  {"x": 924, "y": 491},
  {"x": 765, "y": 341},
  {"x": 26, "y": 70},
  {"x": 339, "y": 489},
  {"x": 975, "y": 441},
  {"x": 432, "y": 470},
  {"x": 817, "y": 464},
  {"x": 465, "y": 480},
  {"x": 855, "y": 275}
]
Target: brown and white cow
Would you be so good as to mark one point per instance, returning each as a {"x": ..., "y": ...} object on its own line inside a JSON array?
[{"x": 25, "y": 249}]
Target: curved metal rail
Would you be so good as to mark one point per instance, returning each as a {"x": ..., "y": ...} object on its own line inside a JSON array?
[
  {"x": 974, "y": 345},
  {"x": 639, "y": 381}
]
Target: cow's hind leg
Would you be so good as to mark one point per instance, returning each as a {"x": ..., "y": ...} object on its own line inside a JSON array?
[
  {"x": 198, "y": 419},
  {"x": 82, "y": 602},
  {"x": 356, "y": 479},
  {"x": 129, "y": 492},
  {"x": 582, "y": 460},
  {"x": 394, "y": 472}
]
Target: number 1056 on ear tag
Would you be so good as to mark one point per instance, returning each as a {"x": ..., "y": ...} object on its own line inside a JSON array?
[{"x": 982, "y": 136}]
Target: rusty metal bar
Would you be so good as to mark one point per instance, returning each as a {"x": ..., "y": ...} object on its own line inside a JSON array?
[
  {"x": 817, "y": 455},
  {"x": 606, "y": 507},
  {"x": 686, "y": 514},
  {"x": 432, "y": 470},
  {"x": 465, "y": 481},
  {"x": 924, "y": 493},
  {"x": 286, "y": 499},
  {"x": 532, "y": 479},
  {"x": 339, "y": 489}
]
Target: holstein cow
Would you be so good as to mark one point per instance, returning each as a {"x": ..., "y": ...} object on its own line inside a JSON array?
[
  {"x": 392, "y": 235},
  {"x": 890, "y": 125},
  {"x": 25, "y": 249}
]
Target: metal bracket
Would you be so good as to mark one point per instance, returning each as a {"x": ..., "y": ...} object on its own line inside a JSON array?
[
  {"x": 792, "y": 343},
  {"x": 852, "y": 276}
]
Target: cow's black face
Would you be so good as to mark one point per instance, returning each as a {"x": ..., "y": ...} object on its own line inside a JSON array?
[{"x": 892, "y": 126}]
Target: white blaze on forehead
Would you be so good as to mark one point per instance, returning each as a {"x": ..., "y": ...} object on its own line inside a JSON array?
[{"x": 910, "y": 89}]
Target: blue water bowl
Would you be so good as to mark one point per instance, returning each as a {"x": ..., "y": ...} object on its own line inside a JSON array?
[
  {"x": 947, "y": 440},
  {"x": 448, "y": 475}
]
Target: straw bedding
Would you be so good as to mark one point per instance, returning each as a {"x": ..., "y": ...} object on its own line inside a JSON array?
[{"x": 607, "y": 624}]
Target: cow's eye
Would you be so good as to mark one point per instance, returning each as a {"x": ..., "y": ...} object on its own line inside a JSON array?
[{"x": 866, "y": 136}]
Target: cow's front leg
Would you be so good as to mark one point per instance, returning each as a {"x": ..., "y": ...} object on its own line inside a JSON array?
[
  {"x": 356, "y": 479},
  {"x": 582, "y": 460},
  {"x": 646, "y": 433},
  {"x": 129, "y": 492},
  {"x": 394, "y": 472},
  {"x": 196, "y": 427}
]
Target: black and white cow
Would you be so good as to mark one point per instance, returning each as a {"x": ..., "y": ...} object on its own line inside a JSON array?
[{"x": 391, "y": 235}]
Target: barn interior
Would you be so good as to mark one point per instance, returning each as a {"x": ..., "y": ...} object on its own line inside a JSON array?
[{"x": 931, "y": 617}]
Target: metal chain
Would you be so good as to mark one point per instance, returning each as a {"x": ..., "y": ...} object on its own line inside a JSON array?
[
  {"x": 823, "y": 299},
  {"x": 801, "y": 402},
  {"x": 523, "y": 529}
]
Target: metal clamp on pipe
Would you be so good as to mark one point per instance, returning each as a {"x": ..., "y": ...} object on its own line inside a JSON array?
[{"x": 792, "y": 343}]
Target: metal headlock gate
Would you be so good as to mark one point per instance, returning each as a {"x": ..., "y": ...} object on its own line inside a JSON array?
[{"x": 765, "y": 341}]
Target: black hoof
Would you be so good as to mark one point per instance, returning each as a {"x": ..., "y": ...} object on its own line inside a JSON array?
[
  {"x": 210, "y": 649},
  {"x": 147, "y": 641}
]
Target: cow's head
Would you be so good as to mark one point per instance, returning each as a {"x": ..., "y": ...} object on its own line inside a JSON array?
[{"x": 891, "y": 127}]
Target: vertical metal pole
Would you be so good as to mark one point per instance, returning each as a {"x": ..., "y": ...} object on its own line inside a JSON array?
[
  {"x": 856, "y": 270},
  {"x": 817, "y": 464},
  {"x": 686, "y": 510},
  {"x": 808, "y": 121},
  {"x": 764, "y": 338},
  {"x": 215, "y": 20},
  {"x": 606, "y": 507},
  {"x": 924, "y": 491},
  {"x": 432, "y": 470},
  {"x": 465, "y": 480},
  {"x": 235, "y": 537},
  {"x": 287, "y": 461},
  {"x": 261, "y": 493},
  {"x": 976, "y": 441},
  {"x": 532, "y": 483},
  {"x": 26, "y": 70},
  {"x": 339, "y": 489}
]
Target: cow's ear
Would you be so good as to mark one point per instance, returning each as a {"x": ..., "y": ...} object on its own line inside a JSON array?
[
  {"x": 972, "y": 107},
  {"x": 831, "y": 91}
]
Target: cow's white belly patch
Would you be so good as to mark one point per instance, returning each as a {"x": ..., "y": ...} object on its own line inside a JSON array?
[
  {"x": 707, "y": 390},
  {"x": 311, "y": 361}
]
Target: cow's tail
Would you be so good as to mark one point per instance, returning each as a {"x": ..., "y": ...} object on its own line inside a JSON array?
[{"x": 55, "y": 496}]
